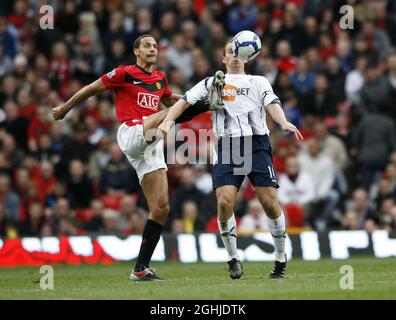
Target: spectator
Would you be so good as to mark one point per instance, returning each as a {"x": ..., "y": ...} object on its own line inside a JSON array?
[
  {"x": 59, "y": 191},
  {"x": 331, "y": 145},
  {"x": 110, "y": 218},
  {"x": 291, "y": 109},
  {"x": 60, "y": 66},
  {"x": 95, "y": 131},
  {"x": 255, "y": 219},
  {"x": 9, "y": 199},
  {"x": 319, "y": 101},
  {"x": 185, "y": 11},
  {"x": 354, "y": 80},
  {"x": 8, "y": 38},
  {"x": 95, "y": 223},
  {"x": 118, "y": 55},
  {"x": 203, "y": 180},
  {"x": 46, "y": 180},
  {"x": 118, "y": 176},
  {"x": 377, "y": 39},
  {"x": 292, "y": 32},
  {"x": 39, "y": 125},
  {"x": 242, "y": 17},
  {"x": 10, "y": 151},
  {"x": 336, "y": 78},
  {"x": 286, "y": 62},
  {"x": 100, "y": 157},
  {"x": 302, "y": 79},
  {"x": 168, "y": 25},
  {"x": 144, "y": 22},
  {"x": 391, "y": 79},
  {"x": 77, "y": 148},
  {"x": 374, "y": 142},
  {"x": 6, "y": 65},
  {"x": 192, "y": 221},
  {"x": 33, "y": 225},
  {"x": 322, "y": 170},
  {"x": 365, "y": 215},
  {"x": 79, "y": 184},
  {"x": 374, "y": 89},
  {"x": 88, "y": 65},
  {"x": 296, "y": 187},
  {"x": 310, "y": 32},
  {"x": 137, "y": 221},
  {"x": 179, "y": 57},
  {"x": 88, "y": 29},
  {"x": 186, "y": 191},
  {"x": 128, "y": 206}
]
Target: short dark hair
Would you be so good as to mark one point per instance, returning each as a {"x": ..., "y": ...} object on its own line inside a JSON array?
[
  {"x": 136, "y": 43},
  {"x": 225, "y": 45}
]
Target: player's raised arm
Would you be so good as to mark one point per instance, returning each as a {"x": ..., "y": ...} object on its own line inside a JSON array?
[
  {"x": 174, "y": 112},
  {"x": 170, "y": 100},
  {"x": 84, "y": 93},
  {"x": 276, "y": 112}
]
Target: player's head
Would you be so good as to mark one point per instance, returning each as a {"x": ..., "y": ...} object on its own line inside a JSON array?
[
  {"x": 145, "y": 49},
  {"x": 233, "y": 63}
]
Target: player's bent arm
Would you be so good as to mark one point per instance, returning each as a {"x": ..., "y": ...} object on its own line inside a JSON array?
[
  {"x": 83, "y": 94},
  {"x": 276, "y": 112},
  {"x": 174, "y": 112},
  {"x": 171, "y": 100}
]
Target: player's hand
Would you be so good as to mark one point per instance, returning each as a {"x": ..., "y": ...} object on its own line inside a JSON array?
[
  {"x": 164, "y": 128},
  {"x": 58, "y": 113},
  {"x": 293, "y": 129}
]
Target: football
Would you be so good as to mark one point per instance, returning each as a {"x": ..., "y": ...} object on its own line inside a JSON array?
[{"x": 246, "y": 45}]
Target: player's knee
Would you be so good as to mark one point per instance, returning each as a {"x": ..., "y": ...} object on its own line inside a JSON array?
[
  {"x": 271, "y": 207},
  {"x": 160, "y": 211},
  {"x": 224, "y": 202}
]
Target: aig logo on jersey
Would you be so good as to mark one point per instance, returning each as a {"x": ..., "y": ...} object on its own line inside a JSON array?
[
  {"x": 230, "y": 92},
  {"x": 146, "y": 100}
]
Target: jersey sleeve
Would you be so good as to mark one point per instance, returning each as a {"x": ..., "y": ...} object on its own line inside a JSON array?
[
  {"x": 199, "y": 92},
  {"x": 114, "y": 79},
  {"x": 167, "y": 90},
  {"x": 266, "y": 93}
]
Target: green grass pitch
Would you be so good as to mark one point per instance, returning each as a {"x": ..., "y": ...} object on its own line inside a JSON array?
[{"x": 373, "y": 279}]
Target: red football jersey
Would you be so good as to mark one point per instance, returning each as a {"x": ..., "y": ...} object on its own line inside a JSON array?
[{"x": 137, "y": 92}]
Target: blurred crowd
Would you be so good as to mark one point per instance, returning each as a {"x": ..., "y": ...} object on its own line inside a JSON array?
[{"x": 70, "y": 177}]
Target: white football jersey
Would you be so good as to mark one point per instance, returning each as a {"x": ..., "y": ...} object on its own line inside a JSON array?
[{"x": 245, "y": 98}]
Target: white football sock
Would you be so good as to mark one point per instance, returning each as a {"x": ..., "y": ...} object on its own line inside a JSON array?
[
  {"x": 228, "y": 234},
  {"x": 278, "y": 231}
]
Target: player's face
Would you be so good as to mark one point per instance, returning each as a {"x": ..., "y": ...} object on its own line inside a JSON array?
[
  {"x": 233, "y": 63},
  {"x": 147, "y": 51}
]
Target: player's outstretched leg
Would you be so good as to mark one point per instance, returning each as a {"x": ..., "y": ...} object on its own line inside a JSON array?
[
  {"x": 226, "y": 196},
  {"x": 155, "y": 188},
  {"x": 277, "y": 226}
]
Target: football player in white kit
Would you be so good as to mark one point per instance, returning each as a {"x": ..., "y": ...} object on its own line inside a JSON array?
[{"x": 239, "y": 121}]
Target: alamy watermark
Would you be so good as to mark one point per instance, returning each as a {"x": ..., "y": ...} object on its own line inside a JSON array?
[
  {"x": 348, "y": 277},
  {"x": 347, "y": 20},
  {"x": 47, "y": 280},
  {"x": 188, "y": 146},
  {"x": 47, "y": 19}
]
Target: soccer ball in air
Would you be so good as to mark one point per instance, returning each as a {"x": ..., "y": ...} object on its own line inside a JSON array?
[{"x": 246, "y": 45}]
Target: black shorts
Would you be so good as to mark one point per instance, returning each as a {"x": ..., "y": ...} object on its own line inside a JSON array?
[{"x": 244, "y": 156}]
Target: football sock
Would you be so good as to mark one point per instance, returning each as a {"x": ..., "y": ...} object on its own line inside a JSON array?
[
  {"x": 228, "y": 234},
  {"x": 151, "y": 235},
  {"x": 278, "y": 231}
]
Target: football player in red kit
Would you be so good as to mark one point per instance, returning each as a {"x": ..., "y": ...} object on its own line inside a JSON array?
[{"x": 139, "y": 89}]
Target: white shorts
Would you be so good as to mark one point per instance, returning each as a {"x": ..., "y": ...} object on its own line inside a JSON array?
[{"x": 144, "y": 157}]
